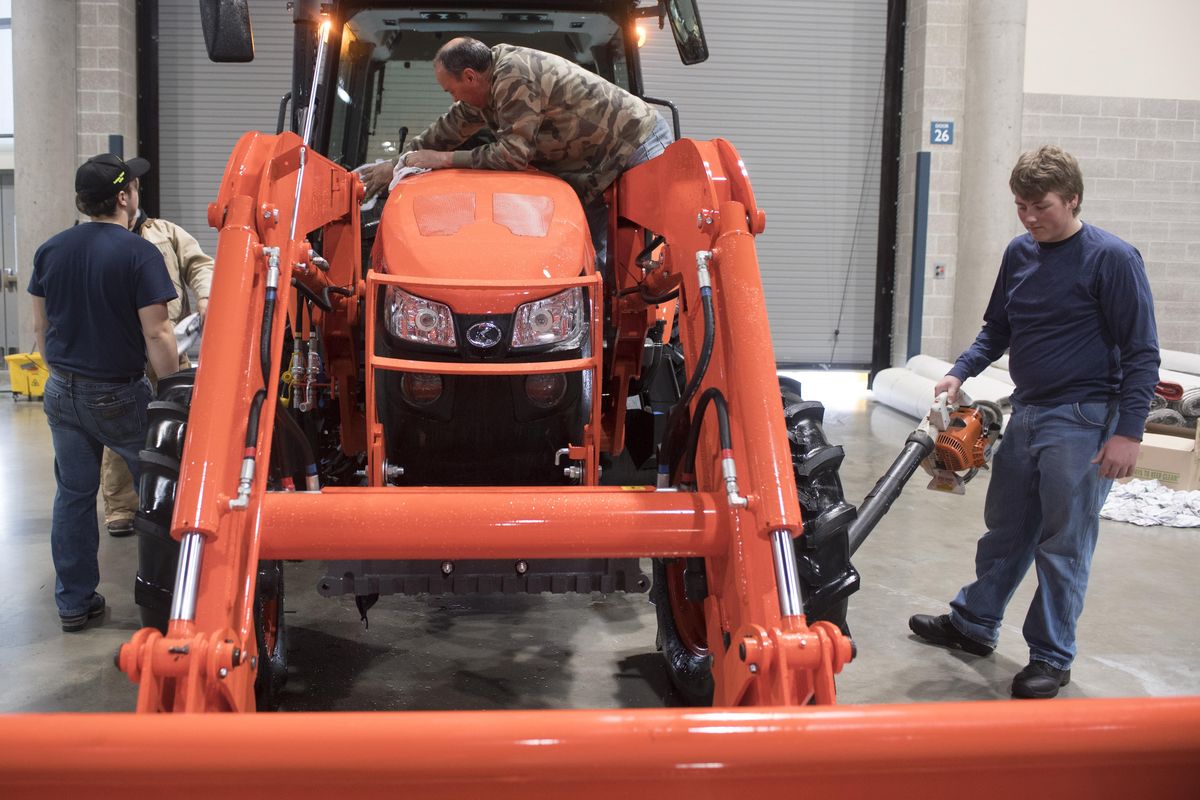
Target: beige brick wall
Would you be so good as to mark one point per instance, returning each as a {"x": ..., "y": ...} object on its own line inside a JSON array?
[
  {"x": 106, "y": 77},
  {"x": 1141, "y": 167},
  {"x": 934, "y": 83}
]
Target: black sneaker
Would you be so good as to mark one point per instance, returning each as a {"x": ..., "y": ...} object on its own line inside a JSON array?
[
  {"x": 78, "y": 622},
  {"x": 940, "y": 631},
  {"x": 1039, "y": 681},
  {"x": 120, "y": 527}
]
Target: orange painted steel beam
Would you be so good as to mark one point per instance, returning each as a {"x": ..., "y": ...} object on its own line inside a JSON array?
[
  {"x": 484, "y": 367},
  {"x": 490, "y": 522},
  {"x": 1069, "y": 748}
]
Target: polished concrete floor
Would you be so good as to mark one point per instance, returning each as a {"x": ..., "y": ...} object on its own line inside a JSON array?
[{"x": 1138, "y": 635}]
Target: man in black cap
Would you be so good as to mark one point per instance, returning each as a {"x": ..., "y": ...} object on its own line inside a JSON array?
[{"x": 100, "y": 298}]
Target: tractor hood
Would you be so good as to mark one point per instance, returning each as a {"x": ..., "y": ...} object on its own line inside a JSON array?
[{"x": 475, "y": 226}]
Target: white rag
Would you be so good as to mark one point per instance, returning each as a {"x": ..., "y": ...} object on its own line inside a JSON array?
[
  {"x": 187, "y": 331},
  {"x": 403, "y": 172},
  {"x": 1151, "y": 503}
]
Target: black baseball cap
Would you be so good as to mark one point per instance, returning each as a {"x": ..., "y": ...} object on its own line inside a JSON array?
[{"x": 103, "y": 176}]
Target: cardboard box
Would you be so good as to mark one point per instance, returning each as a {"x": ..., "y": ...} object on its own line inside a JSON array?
[{"x": 1171, "y": 456}]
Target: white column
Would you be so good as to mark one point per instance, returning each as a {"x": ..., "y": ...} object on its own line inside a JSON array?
[
  {"x": 44, "y": 62},
  {"x": 991, "y": 142}
]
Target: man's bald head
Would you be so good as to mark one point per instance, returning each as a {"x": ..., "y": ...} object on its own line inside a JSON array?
[{"x": 464, "y": 53}]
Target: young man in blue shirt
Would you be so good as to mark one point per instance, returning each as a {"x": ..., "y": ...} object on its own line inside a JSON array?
[
  {"x": 100, "y": 298},
  {"x": 1072, "y": 306}
]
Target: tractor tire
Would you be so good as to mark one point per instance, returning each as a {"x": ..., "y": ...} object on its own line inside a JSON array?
[
  {"x": 822, "y": 554},
  {"x": 270, "y": 633},
  {"x": 827, "y": 578},
  {"x": 158, "y": 552},
  {"x": 689, "y": 663}
]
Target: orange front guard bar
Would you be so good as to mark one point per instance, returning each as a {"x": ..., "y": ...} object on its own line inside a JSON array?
[
  {"x": 587, "y": 451},
  {"x": 1065, "y": 748}
]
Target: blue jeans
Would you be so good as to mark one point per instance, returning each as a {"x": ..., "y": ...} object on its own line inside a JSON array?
[
  {"x": 1043, "y": 508},
  {"x": 86, "y": 417},
  {"x": 597, "y": 210}
]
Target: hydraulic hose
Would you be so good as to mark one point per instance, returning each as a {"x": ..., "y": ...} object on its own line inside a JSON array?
[
  {"x": 918, "y": 445},
  {"x": 252, "y": 421},
  {"x": 268, "y": 321},
  {"x": 295, "y": 441},
  {"x": 714, "y": 396},
  {"x": 706, "y": 348},
  {"x": 246, "y": 478}
]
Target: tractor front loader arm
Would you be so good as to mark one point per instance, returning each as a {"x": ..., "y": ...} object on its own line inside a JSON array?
[
  {"x": 697, "y": 197},
  {"x": 274, "y": 193}
]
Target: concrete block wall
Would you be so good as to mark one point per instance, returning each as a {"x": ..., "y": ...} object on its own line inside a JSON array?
[
  {"x": 106, "y": 75},
  {"x": 1141, "y": 168},
  {"x": 934, "y": 89}
]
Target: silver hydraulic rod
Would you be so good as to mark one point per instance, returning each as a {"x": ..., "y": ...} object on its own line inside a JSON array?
[
  {"x": 187, "y": 577},
  {"x": 309, "y": 120},
  {"x": 786, "y": 577},
  {"x": 318, "y": 73}
]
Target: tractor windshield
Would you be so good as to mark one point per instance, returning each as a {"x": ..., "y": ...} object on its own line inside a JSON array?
[{"x": 386, "y": 90}]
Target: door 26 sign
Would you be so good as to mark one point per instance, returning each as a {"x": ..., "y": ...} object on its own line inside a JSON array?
[{"x": 941, "y": 133}]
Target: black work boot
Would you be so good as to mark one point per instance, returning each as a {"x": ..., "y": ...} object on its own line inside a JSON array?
[
  {"x": 940, "y": 631},
  {"x": 1039, "y": 680},
  {"x": 78, "y": 622}
]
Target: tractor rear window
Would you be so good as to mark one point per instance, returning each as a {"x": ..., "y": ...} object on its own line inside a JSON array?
[
  {"x": 523, "y": 214},
  {"x": 444, "y": 214}
]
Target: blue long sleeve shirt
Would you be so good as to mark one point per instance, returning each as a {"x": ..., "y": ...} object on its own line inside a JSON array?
[{"x": 1078, "y": 321}]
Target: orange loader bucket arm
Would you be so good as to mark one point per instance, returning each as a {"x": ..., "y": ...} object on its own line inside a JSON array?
[{"x": 274, "y": 192}]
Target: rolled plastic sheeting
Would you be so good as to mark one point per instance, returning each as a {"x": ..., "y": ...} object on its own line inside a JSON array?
[
  {"x": 904, "y": 390},
  {"x": 935, "y": 368},
  {"x": 1182, "y": 378},
  {"x": 1179, "y": 361},
  {"x": 981, "y": 387}
]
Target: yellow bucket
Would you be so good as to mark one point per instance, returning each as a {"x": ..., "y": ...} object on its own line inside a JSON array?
[{"x": 28, "y": 374}]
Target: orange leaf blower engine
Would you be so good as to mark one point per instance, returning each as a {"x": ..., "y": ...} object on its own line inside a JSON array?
[{"x": 952, "y": 444}]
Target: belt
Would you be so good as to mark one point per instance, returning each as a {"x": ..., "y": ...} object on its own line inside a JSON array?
[{"x": 76, "y": 378}]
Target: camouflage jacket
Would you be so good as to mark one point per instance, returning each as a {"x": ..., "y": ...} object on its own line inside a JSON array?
[{"x": 550, "y": 114}]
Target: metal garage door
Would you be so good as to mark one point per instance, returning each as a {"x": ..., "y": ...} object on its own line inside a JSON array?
[
  {"x": 796, "y": 86},
  {"x": 205, "y": 107}
]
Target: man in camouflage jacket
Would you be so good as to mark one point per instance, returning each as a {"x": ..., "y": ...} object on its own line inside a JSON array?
[{"x": 545, "y": 111}]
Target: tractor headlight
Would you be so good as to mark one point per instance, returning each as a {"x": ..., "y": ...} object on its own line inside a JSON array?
[
  {"x": 416, "y": 319},
  {"x": 557, "y": 320}
]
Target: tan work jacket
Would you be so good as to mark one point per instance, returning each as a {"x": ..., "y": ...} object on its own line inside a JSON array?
[{"x": 186, "y": 263}]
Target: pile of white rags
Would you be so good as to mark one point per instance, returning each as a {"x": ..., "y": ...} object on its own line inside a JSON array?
[{"x": 1151, "y": 503}]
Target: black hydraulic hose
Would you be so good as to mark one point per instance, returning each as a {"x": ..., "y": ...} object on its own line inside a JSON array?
[
  {"x": 295, "y": 435},
  {"x": 650, "y": 248},
  {"x": 710, "y": 332},
  {"x": 252, "y": 422},
  {"x": 916, "y": 448},
  {"x": 713, "y": 395},
  {"x": 264, "y": 343},
  {"x": 673, "y": 421}
]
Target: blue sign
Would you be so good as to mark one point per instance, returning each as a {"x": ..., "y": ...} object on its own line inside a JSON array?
[{"x": 941, "y": 133}]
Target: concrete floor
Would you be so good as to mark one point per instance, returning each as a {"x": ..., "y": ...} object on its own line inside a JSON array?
[{"x": 1138, "y": 635}]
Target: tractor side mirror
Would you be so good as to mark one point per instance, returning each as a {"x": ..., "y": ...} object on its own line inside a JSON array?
[
  {"x": 227, "y": 33},
  {"x": 688, "y": 32}
]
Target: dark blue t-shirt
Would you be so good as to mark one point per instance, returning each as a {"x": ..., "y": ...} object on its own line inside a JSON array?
[
  {"x": 94, "y": 277},
  {"x": 1078, "y": 321}
]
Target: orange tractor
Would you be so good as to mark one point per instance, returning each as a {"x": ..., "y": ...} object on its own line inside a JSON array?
[{"x": 442, "y": 392}]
